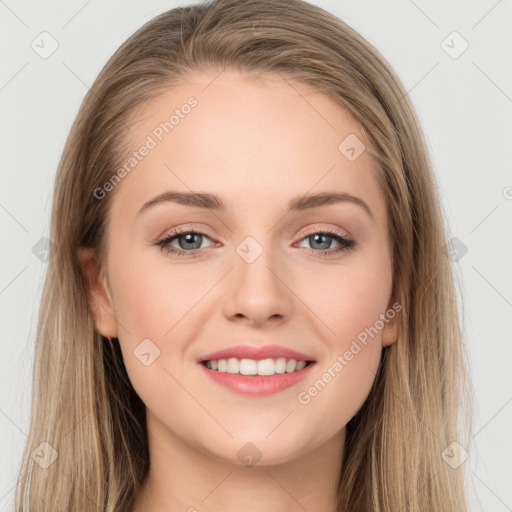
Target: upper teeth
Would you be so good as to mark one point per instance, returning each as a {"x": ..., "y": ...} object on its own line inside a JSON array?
[{"x": 253, "y": 367}]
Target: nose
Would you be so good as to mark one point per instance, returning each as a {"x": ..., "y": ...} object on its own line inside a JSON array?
[{"x": 258, "y": 292}]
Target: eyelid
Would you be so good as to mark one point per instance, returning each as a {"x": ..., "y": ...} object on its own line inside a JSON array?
[
  {"x": 187, "y": 228},
  {"x": 348, "y": 242},
  {"x": 172, "y": 232},
  {"x": 332, "y": 230}
]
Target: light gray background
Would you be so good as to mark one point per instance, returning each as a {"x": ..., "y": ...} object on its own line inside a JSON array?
[{"x": 464, "y": 105}]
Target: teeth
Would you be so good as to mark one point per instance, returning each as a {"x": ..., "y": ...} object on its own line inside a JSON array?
[
  {"x": 300, "y": 365},
  {"x": 233, "y": 365},
  {"x": 252, "y": 367},
  {"x": 267, "y": 367},
  {"x": 281, "y": 366},
  {"x": 247, "y": 366}
]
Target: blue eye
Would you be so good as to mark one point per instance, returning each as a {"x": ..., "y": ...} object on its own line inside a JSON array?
[
  {"x": 186, "y": 240},
  {"x": 321, "y": 237},
  {"x": 190, "y": 243}
]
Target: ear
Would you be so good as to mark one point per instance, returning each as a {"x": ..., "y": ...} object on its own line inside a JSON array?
[
  {"x": 98, "y": 293},
  {"x": 390, "y": 330},
  {"x": 390, "y": 333}
]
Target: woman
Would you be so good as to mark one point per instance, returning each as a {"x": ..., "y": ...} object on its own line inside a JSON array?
[{"x": 254, "y": 369}]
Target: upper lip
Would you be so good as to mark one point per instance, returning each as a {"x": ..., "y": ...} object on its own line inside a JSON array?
[{"x": 257, "y": 353}]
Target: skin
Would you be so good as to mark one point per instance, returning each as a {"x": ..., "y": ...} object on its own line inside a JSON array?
[{"x": 257, "y": 144}]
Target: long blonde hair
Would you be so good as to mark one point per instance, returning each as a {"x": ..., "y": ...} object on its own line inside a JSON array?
[{"x": 88, "y": 424}]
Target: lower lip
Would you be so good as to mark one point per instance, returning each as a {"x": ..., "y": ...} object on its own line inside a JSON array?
[{"x": 257, "y": 384}]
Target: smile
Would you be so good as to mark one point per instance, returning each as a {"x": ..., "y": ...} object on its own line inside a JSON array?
[
  {"x": 262, "y": 367},
  {"x": 257, "y": 377}
]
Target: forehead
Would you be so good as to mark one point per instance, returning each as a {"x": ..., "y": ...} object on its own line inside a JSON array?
[{"x": 238, "y": 136}]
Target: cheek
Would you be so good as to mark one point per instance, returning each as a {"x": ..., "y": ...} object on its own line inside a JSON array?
[
  {"x": 154, "y": 301},
  {"x": 349, "y": 300},
  {"x": 160, "y": 301},
  {"x": 352, "y": 308},
  {"x": 339, "y": 390},
  {"x": 153, "y": 294},
  {"x": 350, "y": 303}
]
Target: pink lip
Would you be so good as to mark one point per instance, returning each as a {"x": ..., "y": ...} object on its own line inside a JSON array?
[
  {"x": 257, "y": 384},
  {"x": 256, "y": 353}
]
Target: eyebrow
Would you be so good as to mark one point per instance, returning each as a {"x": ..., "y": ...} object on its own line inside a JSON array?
[{"x": 214, "y": 202}]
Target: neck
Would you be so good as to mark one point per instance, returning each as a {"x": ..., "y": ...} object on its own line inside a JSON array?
[{"x": 183, "y": 478}]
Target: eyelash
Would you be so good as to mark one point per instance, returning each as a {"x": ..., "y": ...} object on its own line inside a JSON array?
[{"x": 346, "y": 243}]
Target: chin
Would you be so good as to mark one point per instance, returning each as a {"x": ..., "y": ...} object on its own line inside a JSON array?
[{"x": 259, "y": 451}]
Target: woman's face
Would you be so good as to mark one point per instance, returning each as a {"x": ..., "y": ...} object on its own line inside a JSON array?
[{"x": 258, "y": 273}]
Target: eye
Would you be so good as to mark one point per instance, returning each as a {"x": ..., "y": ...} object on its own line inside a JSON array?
[
  {"x": 189, "y": 242},
  {"x": 323, "y": 241}
]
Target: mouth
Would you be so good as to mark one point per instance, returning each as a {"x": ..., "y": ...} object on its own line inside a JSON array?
[
  {"x": 254, "y": 367},
  {"x": 252, "y": 370},
  {"x": 256, "y": 377}
]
